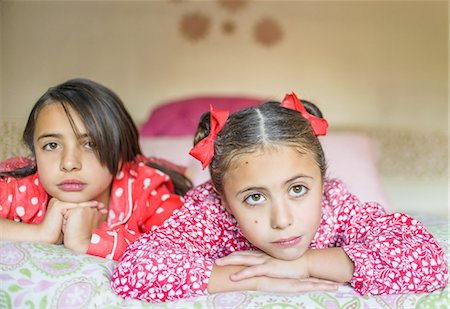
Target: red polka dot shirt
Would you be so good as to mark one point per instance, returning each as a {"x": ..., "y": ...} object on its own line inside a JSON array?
[
  {"x": 392, "y": 253},
  {"x": 141, "y": 198}
]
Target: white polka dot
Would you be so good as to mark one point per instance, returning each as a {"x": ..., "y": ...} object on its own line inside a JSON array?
[
  {"x": 20, "y": 210},
  {"x": 121, "y": 216},
  {"x": 112, "y": 214},
  {"x": 36, "y": 182},
  {"x": 120, "y": 175},
  {"x": 10, "y": 197},
  {"x": 153, "y": 192},
  {"x": 109, "y": 256},
  {"x": 95, "y": 239},
  {"x": 165, "y": 197},
  {"x": 34, "y": 200},
  {"x": 160, "y": 173},
  {"x": 39, "y": 213},
  {"x": 147, "y": 182},
  {"x": 159, "y": 210},
  {"x": 23, "y": 188},
  {"x": 119, "y": 192},
  {"x": 1, "y": 207}
]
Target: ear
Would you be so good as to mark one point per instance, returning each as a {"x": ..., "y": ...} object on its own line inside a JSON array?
[
  {"x": 223, "y": 200},
  {"x": 225, "y": 204}
]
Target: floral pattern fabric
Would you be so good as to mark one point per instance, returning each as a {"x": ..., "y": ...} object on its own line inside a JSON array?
[
  {"x": 50, "y": 276},
  {"x": 392, "y": 253}
]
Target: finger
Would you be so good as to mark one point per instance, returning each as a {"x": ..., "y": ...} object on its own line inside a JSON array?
[
  {"x": 103, "y": 211},
  {"x": 80, "y": 205},
  {"x": 241, "y": 254},
  {"x": 245, "y": 260},
  {"x": 261, "y": 270}
]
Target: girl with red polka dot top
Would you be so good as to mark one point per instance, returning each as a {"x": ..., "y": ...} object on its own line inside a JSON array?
[
  {"x": 88, "y": 185},
  {"x": 269, "y": 220}
]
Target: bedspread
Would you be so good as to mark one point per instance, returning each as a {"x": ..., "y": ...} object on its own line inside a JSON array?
[{"x": 34, "y": 275}]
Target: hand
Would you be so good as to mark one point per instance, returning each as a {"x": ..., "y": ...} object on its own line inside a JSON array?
[
  {"x": 261, "y": 264},
  {"x": 78, "y": 227},
  {"x": 92, "y": 204},
  {"x": 50, "y": 228}
]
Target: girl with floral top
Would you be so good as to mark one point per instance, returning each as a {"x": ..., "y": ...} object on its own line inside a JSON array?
[
  {"x": 89, "y": 185},
  {"x": 269, "y": 220}
]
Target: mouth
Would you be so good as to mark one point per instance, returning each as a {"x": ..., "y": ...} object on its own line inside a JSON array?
[
  {"x": 71, "y": 185},
  {"x": 288, "y": 242}
]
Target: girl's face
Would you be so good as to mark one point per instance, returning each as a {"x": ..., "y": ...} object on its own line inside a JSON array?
[
  {"x": 276, "y": 198},
  {"x": 67, "y": 165}
]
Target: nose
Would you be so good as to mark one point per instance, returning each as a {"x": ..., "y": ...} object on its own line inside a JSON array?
[
  {"x": 281, "y": 215},
  {"x": 70, "y": 160}
]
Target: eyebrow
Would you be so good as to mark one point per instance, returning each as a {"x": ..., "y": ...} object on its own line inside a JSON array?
[
  {"x": 60, "y": 136},
  {"x": 262, "y": 188}
]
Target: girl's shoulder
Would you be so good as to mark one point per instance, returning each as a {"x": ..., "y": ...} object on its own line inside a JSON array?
[
  {"x": 334, "y": 187},
  {"x": 203, "y": 198},
  {"x": 203, "y": 194}
]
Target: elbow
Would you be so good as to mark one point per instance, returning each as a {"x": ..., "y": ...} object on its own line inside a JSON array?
[
  {"x": 123, "y": 281},
  {"x": 131, "y": 280}
]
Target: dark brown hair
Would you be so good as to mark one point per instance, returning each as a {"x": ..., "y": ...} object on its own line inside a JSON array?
[
  {"x": 259, "y": 127},
  {"x": 108, "y": 124}
]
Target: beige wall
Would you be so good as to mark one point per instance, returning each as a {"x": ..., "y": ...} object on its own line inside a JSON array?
[
  {"x": 380, "y": 64},
  {"x": 1, "y": 58},
  {"x": 371, "y": 63}
]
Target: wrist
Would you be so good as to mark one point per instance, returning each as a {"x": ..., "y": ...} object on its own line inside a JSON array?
[
  {"x": 307, "y": 260},
  {"x": 80, "y": 245},
  {"x": 42, "y": 234}
]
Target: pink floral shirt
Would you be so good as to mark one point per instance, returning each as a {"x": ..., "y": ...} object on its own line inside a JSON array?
[{"x": 392, "y": 253}]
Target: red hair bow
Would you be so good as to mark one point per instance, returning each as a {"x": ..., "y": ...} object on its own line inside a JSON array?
[
  {"x": 318, "y": 124},
  {"x": 204, "y": 150}
]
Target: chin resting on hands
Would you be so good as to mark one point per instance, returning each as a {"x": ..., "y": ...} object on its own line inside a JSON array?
[{"x": 79, "y": 222}]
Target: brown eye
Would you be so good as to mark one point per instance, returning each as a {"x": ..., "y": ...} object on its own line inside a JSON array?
[
  {"x": 89, "y": 145},
  {"x": 50, "y": 146},
  {"x": 255, "y": 199},
  {"x": 298, "y": 190}
]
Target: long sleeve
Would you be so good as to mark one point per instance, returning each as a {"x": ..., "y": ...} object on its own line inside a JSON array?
[
  {"x": 175, "y": 260},
  {"x": 141, "y": 198},
  {"x": 23, "y": 200},
  {"x": 392, "y": 253}
]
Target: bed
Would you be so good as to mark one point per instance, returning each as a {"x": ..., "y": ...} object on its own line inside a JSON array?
[{"x": 36, "y": 275}]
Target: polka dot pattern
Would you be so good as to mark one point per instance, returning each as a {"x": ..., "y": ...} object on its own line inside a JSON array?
[
  {"x": 392, "y": 253},
  {"x": 22, "y": 200},
  {"x": 136, "y": 186}
]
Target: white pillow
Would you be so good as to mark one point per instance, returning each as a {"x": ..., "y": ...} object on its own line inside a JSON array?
[{"x": 351, "y": 157}]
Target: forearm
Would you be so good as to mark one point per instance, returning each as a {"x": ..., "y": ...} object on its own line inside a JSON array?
[
  {"x": 330, "y": 264},
  {"x": 220, "y": 280},
  {"x": 19, "y": 231}
]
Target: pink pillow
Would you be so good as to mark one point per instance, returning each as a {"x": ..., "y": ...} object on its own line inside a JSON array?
[
  {"x": 351, "y": 157},
  {"x": 180, "y": 118}
]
